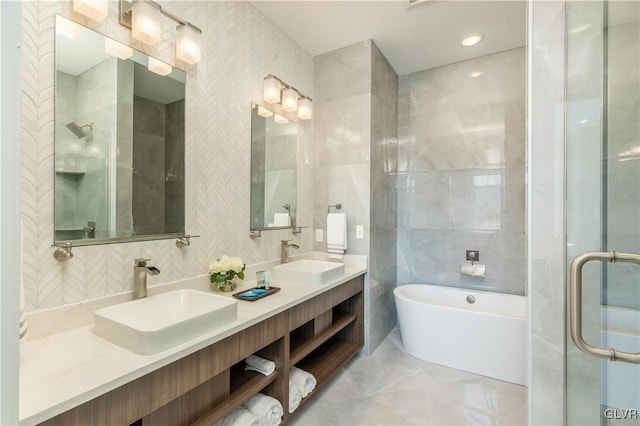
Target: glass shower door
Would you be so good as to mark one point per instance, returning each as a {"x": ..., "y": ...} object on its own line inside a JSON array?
[{"x": 603, "y": 207}]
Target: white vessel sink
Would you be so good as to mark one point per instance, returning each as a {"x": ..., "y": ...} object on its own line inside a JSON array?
[
  {"x": 154, "y": 324},
  {"x": 308, "y": 271}
]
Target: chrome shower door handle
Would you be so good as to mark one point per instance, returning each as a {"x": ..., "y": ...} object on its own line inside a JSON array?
[{"x": 575, "y": 304}]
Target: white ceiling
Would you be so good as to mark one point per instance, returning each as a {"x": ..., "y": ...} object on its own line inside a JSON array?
[{"x": 415, "y": 38}]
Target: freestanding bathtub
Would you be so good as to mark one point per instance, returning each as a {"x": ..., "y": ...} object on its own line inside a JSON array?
[{"x": 476, "y": 331}]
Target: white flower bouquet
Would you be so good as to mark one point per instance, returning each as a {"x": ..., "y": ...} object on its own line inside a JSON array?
[{"x": 222, "y": 271}]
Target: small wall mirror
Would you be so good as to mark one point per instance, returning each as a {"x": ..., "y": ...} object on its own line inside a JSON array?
[
  {"x": 119, "y": 141},
  {"x": 273, "y": 170}
]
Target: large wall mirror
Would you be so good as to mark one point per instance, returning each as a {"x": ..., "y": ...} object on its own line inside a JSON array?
[
  {"x": 119, "y": 141},
  {"x": 274, "y": 142}
]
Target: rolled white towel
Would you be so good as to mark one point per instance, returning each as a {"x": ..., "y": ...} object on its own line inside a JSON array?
[
  {"x": 295, "y": 396},
  {"x": 302, "y": 380},
  {"x": 239, "y": 416},
  {"x": 267, "y": 409},
  {"x": 261, "y": 365}
]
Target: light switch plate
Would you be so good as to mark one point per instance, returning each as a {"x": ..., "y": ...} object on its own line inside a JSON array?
[
  {"x": 359, "y": 232},
  {"x": 319, "y": 236}
]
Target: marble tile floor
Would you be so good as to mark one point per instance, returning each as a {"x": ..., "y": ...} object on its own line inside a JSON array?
[{"x": 391, "y": 387}]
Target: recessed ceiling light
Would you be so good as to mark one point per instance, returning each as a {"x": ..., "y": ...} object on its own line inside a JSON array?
[
  {"x": 471, "y": 39},
  {"x": 476, "y": 74}
]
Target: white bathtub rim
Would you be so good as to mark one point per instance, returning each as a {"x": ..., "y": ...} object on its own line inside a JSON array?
[
  {"x": 472, "y": 308},
  {"x": 449, "y": 344}
]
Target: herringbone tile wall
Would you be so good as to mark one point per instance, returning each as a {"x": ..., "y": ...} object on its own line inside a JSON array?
[{"x": 240, "y": 46}]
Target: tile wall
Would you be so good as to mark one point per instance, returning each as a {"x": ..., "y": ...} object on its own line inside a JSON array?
[
  {"x": 240, "y": 47},
  {"x": 384, "y": 159},
  {"x": 355, "y": 152},
  {"x": 461, "y": 173},
  {"x": 546, "y": 168}
]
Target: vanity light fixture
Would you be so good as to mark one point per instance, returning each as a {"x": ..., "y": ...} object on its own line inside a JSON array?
[
  {"x": 117, "y": 49},
  {"x": 145, "y": 22},
  {"x": 271, "y": 89},
  {"x": 280, "y": 119},
  {"x": 93, "y": 9},
  {"x": 263, "y": 112},
  {"x": 305, "y": 108},
  {"x": 68, "y": 29},
  {"x": 471, "y": 39},
  {"x": 159, "y": 67},
  {"x": 291, "y": 99},
  {"x": 188, "y": 42},
  {"x": 143, "y": 17}
]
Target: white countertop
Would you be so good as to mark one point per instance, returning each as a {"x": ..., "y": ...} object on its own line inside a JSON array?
[{"x": 64, "y": 370}]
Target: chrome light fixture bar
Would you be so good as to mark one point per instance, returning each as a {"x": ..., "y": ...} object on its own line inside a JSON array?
[
  {"x": 142, "y": 16},
  {"x": 276, "y": 91}
]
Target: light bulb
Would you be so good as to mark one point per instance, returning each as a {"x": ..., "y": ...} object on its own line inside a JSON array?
[
  {"x": 471, "y": 40},
  {"x": 280, "y": 119},
  {"x": 94, "y": 9},
  {"x": 68, "y": 29},
  {"x": 117, "y": 49},
  {"x": 188, "y": 43},
  {"x": 263, "y": 112},
  {"x": 145, "y": 22},
  {"x": 159, "y": 67},
  {"x": 305, "y": 109},
  {"x": 289, "y": 100},
  {"x": 271, "y": 90}
]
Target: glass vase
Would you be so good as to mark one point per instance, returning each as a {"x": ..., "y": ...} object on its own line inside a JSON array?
[{"x": 228, "y": 285}]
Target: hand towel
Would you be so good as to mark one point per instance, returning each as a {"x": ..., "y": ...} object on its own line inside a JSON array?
[
  {"x": 281, "y": 219},
  {"x": 303, "y": 380},
  {"x": 239, "y": 416},
  {"x": 267, "y": 409},
  {"x": 337, "y": 230},
  {"x": 295, "y": 396},
  {"x": 261, "y": 365}
]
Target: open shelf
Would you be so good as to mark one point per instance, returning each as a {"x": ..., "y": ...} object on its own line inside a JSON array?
[
  {"x": 301, "y": 347},
  {"x": 318, "y": 335},
  {"x": 69, "y": 173},
  {"x": 244, "y": 385},
  {"x": 326, "y": 360}
]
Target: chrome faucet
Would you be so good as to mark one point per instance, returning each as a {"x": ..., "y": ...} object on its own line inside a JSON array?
[
  {"x": 284, "y": 250},
  {"x": 140, "y": 272}
]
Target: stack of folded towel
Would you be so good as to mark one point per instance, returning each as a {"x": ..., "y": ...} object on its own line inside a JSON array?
[
  {"x": 301, "y": 384},
  {"x": 267, "y": 409},
  {"x": 239, "y": 416},
  {"x": 261, "y": 365}
]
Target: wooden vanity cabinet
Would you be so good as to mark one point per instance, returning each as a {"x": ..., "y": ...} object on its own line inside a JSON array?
[{"x": 318, "y": 335}]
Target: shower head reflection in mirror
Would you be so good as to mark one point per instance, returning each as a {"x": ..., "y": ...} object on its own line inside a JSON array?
[
  {"x": 77, "y": 130},
  {"x": 100, "y": 139},
  {"x": 273, "y": 203}
]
